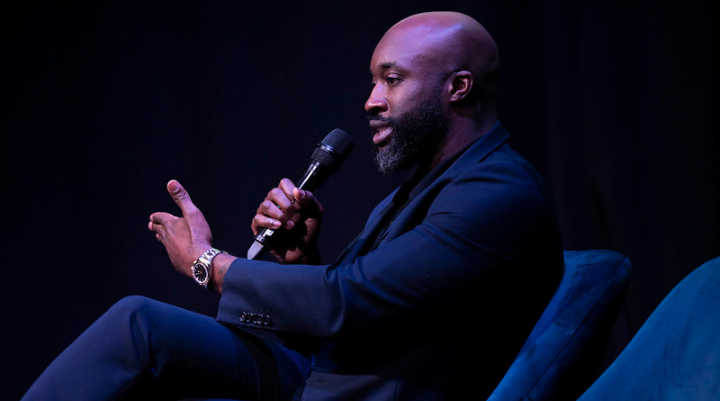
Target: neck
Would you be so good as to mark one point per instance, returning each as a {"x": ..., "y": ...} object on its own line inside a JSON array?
[{"x": 460, "y": 134}]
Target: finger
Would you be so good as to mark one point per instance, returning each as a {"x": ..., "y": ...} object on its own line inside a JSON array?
[
  {"x": 161, "y": 218},
  {"x": 307, "y": 201},
  {"x": 181, "y": 197},
  {"x": 158, "y": 222},
  {"x": 269, "y": 209},
  {"x": 259, "y": 222},
  {"x": 287, "y": 187},
  {"x": 279, "y": 200},
  {"x": 295, "y": 201},
  {"x": 156, "y": 225},
  {"x": 158, "y": 229}
]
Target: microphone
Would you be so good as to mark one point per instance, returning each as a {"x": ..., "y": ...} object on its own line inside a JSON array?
[{"x": 326, "y": 159}]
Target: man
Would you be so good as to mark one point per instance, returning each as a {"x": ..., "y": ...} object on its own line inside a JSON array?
[{"x": 432, "y": 301}]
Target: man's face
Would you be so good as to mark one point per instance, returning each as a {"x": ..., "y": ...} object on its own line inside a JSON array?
[
  {"x": 405, "y": 106},
  {"x": 412, "y": 138}
]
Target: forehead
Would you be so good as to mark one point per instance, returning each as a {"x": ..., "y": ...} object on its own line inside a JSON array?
[{"x": 409, "y": 49}]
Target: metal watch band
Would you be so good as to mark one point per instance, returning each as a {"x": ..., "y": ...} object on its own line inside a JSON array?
[
  {"x": 208, "y": 256},
  {"x": 205, "y": 260}
]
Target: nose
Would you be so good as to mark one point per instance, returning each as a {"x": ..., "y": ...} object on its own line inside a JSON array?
[{"x": 376, "y": 103}]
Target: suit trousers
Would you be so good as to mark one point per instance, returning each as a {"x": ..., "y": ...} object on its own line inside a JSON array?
[{"x": 144, "y": 349}]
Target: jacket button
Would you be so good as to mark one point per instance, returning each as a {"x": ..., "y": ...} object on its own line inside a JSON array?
[{"x": 255, "y": 318}]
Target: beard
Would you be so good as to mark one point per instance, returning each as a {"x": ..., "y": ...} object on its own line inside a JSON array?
[{"x": 416, "y": 135}]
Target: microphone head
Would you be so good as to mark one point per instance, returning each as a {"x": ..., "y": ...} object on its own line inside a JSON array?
[{"x": 334, "y": 149}]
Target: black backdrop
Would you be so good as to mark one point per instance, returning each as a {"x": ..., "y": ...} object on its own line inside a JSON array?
[{"x": 104, "y": 101}]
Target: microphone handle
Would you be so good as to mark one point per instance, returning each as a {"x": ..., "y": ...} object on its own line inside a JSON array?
[{"x": 309, "y": 181}]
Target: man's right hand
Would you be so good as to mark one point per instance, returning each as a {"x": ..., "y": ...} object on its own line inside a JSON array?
[{"x": 295, "y": 215}]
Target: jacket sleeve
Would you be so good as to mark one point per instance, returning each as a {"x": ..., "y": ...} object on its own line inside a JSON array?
[{"x": 472, "y": 233}]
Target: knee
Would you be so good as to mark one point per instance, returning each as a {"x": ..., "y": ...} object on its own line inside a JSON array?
[
  {"x": 132, "y": 305},
  {"x": 131, "y": 313},
  {"x": 130, "y": 323},
  {"x": 133, "y": 302}
]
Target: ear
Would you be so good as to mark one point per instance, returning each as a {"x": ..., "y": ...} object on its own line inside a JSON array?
[{"x": 461, "y": 84}]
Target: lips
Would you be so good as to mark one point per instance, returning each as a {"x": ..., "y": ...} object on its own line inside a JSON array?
[{"x": 381, "y": 132}]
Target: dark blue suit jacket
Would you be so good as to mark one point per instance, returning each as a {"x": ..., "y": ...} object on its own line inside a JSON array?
[{"x": 439, "y": 306}]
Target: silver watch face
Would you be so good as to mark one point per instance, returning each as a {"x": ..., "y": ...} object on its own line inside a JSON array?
[{"x": 200, "y": 273}]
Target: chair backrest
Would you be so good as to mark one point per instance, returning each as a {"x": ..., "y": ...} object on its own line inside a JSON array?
[
  {"x": 562, "y": 355},
  {"x": 676, "y": 353}
]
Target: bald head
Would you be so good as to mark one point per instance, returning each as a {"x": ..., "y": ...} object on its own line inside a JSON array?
[
  {"x": 433, "y": 93},
  {"x": 444, "y": 42}
]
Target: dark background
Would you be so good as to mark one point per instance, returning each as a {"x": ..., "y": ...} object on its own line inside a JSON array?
[{"x": 104, "y": 101}]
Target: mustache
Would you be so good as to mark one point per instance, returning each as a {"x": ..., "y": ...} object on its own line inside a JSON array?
[
  {"x": 388, "y": 120},
  {"x": 371, "y": 117}
]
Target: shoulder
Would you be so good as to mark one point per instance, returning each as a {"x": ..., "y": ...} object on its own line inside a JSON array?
[
  {"x": 499, "y": 197},
  {"x": 501, "y": 177}
]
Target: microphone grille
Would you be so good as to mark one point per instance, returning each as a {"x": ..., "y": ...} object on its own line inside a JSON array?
[
  {"x": 339, "y": 140},
  {"x": 334, "y": 149}
]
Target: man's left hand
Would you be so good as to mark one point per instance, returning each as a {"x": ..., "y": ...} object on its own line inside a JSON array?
[{"x": 185, "y": 238}]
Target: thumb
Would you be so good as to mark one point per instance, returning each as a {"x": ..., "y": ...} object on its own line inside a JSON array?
[
  {"x": 181, "y": 197},
  {"x": 308, "y": 202}
]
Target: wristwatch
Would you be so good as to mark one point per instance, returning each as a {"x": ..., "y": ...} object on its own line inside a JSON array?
[{"x": 201, "y": 267}]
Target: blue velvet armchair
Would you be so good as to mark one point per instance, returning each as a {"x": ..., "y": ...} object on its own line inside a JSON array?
[
  {"x": 675, "y": 356},
  {"x": 562, "y": 355}
]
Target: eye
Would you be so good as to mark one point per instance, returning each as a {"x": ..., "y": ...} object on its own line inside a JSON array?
[{"x": 392, "y": 80}]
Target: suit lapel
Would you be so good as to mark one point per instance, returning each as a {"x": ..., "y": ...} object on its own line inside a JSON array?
[
  {"x": 373, "y": 230},
  {"x": 427, "y": 187}
]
